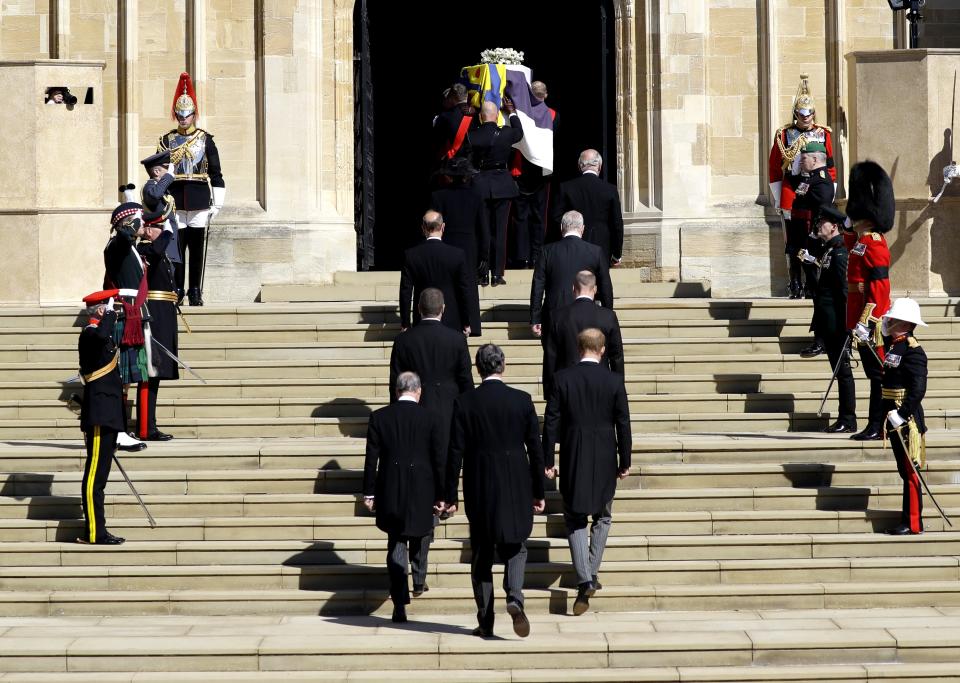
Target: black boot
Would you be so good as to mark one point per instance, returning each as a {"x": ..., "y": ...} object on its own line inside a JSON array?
[
  {"x": 193, "y": 296},
  {"x": 796, "y": 286}
]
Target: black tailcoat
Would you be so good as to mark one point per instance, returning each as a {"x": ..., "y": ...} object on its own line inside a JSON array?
[
  {"x": 404, "y": 468},
  {"x": 599, "y": 202},
  {"x": 102, "y": 398},
  {"x": 440, "y": 357},
  {"x": 462, "y": 211},
  {"x": 555, "y": 272},
  {"x": 494, "y": 438},
  {"x": 560, "y": 348},
  {"x": 435, "y": 264},
  {"x": 588, "y": 414}
]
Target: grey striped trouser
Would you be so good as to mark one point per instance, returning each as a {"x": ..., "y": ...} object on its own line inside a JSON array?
[
  {"x": 514, "y": 557},
  {"x": 586, "y": 550},
  {"x": 398, "y": 558}
]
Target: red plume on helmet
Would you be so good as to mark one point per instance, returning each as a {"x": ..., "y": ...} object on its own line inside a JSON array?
[{"x": 182, "y": 94}]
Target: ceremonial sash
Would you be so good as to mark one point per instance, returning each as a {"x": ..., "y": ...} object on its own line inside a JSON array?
[
  {"x": 105, "y": 370},
  {"x": 460, "y": 136}
]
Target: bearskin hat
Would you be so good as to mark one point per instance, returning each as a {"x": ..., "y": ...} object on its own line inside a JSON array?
[{"x": 870, "y": 196}]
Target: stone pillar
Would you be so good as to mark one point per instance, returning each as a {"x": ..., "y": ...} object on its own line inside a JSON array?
[
  {"x": 903, "y": 114},
  {"x": 52, "y": 222}
]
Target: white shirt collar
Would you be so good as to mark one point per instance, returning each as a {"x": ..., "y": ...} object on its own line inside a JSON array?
[
  {"x": 437, "y": 319},
  {"x": 571, "y": 234},
  {"x": 590, "y": 360},
  {"x": 435, "y": 238},
  {"x": 411, "y": 399},
  {"x": 584, "y": 296},
  {"x": 591, "y": 171},
  {"x": 493, "y": 378}
]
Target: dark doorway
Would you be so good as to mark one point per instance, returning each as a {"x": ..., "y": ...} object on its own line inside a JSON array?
[{"x": 406, "y": 54}]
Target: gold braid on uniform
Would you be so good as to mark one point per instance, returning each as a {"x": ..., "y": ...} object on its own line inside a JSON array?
[{"x": 916, "y": 442}]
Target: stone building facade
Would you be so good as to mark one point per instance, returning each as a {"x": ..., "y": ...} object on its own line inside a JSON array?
[{"x": 701, "y": 86}]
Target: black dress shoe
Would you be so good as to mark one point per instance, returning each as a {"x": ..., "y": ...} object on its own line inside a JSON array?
[
  {"x": 903, "y": 530},
  {"x": 194, "y": 296},
  {"x": 159, "y": 436},
  {"x": 106, "y": 539},
  {"x": 484, "y": 279},
  {"x": 133, "y": 447},
  {"x": 815, "y": 349},
  {"x": 596, "y": 584},
  {"x": 497, "y": 280},
  {"x": 399, "y": 614},
  {"x": 868, "y": 434},
  {"x": 521, "y": 625},
  {"x": 840, "y": 428},
  {"x": 584, "y": 592},
  {"x": 482, "y": 632},
  {"x": 420, "y": 590}
]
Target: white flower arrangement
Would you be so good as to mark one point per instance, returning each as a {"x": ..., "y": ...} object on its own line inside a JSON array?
[{"x": 501, "y": 55}]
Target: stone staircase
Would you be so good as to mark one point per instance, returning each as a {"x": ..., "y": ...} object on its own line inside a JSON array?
[{"x": 745, "y": 546}]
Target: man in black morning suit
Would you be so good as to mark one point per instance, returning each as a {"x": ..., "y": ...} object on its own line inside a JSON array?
[
  {"x": 403, "y": 481},
  {"x": 435, "y": 264},
  {"x": 491, "y": 147},
  {"x": 561, "y": 349},
  {"x": 494, "y": 438},
  {"x": 599, "y": 202},
  {"x": 559, "y": 263},
  {"x": 588, "y": 414}
]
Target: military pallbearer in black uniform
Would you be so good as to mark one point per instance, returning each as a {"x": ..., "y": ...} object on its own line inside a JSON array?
[
  {"x": 101, "y": 415},
  {"x": 198, "y": 188},
  {"x": 904, "y": 385}
]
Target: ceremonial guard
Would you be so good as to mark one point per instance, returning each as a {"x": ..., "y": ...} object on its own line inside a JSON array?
[
  {"x": 198, "y": 188},
  {"x": 101, "y": 413},
  {"x": 812, "y": 188},
  {"x": 904, "y": 384},
  {"x": 125, "y": 272},
  {"x": 162, "y": 298},
  {"x": 870, "y": 208},
  {"x": 154, "y": 195},
  {"x": 830, "y": 313},
  {"x": 788, "y": 142}
]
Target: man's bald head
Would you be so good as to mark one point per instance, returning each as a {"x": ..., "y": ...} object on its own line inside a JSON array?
[
  {"x": 590, "y": 160},
  {"x": 432, "y": 223},
  {"x": 489, "y": 112},
  {"x": 539, "y": 90}
]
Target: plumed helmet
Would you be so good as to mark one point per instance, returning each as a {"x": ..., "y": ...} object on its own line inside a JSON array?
[
  {"x": 803, "y": 101},
  {"x": 870, "y": 196},
  {"x": 184, "y": 97}
]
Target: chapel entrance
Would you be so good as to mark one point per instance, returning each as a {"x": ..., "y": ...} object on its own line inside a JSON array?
[{"x": 407, "y": 53}]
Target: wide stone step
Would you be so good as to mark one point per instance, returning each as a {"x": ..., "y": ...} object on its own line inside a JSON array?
[
  {"x": 744, "y": 645},
  {"x": 334, "y": 551},
  {"x": 796, "y": 596},
  {"x": 331, "y": 527},
  {"x": 543, "y": 575}
]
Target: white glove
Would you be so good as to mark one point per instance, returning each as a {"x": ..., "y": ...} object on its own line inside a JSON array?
[
  {"x": 847, "y": 223},
  {"x": 786, "y": 214},
  {"x": 861, "y": 332},
  {"x": 171, "y": 169},
  {"x": 214, "y": 210},
  {"x": 893, "y": 417},
  {"x": 109, "y": 304},
  {"x": 806, "y": 257}
]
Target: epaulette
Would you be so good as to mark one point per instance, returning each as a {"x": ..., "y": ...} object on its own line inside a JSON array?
[
  {"x": 826, "y": 128},
  {"x": 876, "y": 236},
  {"x": 823, "y": 174},
  {"x": 783, "y": 128},
  {"x": 913, "y": 343}
]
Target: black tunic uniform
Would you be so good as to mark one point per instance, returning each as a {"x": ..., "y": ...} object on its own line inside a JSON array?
[
  {"x": 101, "y": 417},
  {"x": 904, "y": 385}
]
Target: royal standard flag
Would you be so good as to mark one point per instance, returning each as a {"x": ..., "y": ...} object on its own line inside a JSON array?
[{"x": 490, "y": 82}]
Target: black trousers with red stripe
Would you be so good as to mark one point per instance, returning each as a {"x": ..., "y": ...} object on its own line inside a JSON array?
[
  {"x": 911, "y": 513},
  {"x": 101, "y": 443},
  {"x": 147, "y": 407}
]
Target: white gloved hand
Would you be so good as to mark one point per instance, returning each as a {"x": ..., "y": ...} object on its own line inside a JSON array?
[
  {"x": 893, "y": 417},
  {"x": 786, "y": 214},
  {"x": 214, "y": 210},
  {"x": 861, "y": 332},
  {"x": 847, "y": 223},
  {"x": 171, "y": 169},
  {"x": 806, "y": 256},
  {"x": 110, "y": 304}
]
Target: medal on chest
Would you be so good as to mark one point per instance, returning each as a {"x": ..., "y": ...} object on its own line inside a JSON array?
[
  {"x": 860, "y": 249},
  {"x": 892, "y": 360}
]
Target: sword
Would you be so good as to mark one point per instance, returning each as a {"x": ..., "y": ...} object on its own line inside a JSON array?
[
  {"x": 178, "y": 361},
  {"x": 843, "y": 355},
  {"x": 916, "y": 469},
  {"x": 150, "y": 519}
]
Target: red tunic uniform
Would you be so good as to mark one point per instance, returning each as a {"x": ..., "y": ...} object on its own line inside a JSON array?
[
  {"x": 869, "y": 266},
  {"x": 786, "y": 140}
]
